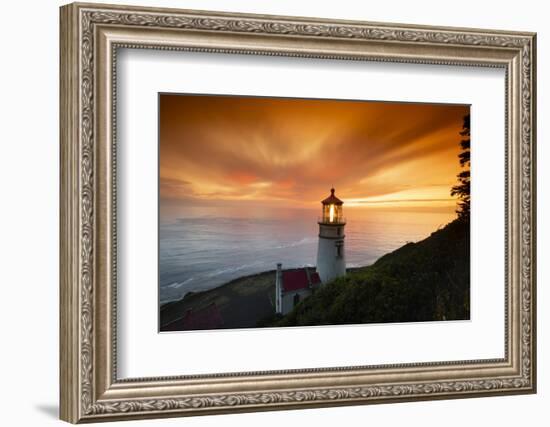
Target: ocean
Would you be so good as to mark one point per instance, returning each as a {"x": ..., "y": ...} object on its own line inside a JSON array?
[{"x": 210, "y": 247}]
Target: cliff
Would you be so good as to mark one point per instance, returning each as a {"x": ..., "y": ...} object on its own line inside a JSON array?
[
  {"x": 240, "y": 303},
  {"x": 424, "y": 281}
]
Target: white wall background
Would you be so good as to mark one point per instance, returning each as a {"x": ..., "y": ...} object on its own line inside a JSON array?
[{"x": 29, "y": 171}]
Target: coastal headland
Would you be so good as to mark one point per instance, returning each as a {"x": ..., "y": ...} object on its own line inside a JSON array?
[{"x": 424, "y": 281}]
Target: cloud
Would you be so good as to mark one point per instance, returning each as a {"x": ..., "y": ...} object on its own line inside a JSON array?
[
  {"x": 375, "y": 202},
  {"x": 272, "y": 149}
]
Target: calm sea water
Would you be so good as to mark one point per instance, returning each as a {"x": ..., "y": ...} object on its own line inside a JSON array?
[{"x": 202, "y": 251}]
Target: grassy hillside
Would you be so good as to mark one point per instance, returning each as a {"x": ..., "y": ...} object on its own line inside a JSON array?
[
  {"x": 427, "y": 280},
  {"x": 241, "y": 302}
]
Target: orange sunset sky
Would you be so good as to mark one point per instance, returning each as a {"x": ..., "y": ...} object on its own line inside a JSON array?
[{"x": 247, "y": 151}]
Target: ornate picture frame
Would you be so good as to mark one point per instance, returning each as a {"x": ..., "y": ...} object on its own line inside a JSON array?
[{"x": 90, "y": 37}]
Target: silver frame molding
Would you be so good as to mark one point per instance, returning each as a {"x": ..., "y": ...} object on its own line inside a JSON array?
[{"x": 90, "y": 37}]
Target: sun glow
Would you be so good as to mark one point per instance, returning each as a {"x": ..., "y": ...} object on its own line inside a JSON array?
[{"x": 221, "y": 151}]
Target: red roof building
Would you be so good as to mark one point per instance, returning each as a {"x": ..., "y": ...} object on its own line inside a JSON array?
[
  {"x": 291, "y": 286},
  {"x": 294, "y": 280}
]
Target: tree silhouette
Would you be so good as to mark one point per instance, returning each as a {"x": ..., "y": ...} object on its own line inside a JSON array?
[{"x": 462, "y": 189}]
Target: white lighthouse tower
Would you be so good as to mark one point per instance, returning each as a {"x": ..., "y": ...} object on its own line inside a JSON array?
[{"x": 331, "y": 259}]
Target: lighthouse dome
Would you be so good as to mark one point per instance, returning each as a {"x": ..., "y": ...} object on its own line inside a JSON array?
[
  {"x": 332, "y": 199},
  {"x": 332, "y": 212}
]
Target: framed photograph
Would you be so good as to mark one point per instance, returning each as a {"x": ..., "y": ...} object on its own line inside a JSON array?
[
  {"x": 253, "y": 235},
  {"x": 265, "y": 212}
]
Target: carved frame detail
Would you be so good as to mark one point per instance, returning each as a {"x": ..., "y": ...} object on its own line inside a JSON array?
[{"x": 90, "y": 390}]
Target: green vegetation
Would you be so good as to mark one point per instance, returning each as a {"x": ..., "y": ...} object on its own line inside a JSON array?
[
  {"x": 462, "y": 189},
  {"x": 428, "y": 280},
  {"x": 423, "y": 281}
]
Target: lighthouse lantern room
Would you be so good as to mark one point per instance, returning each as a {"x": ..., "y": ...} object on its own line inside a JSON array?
[{"x": 331, "y": 260}]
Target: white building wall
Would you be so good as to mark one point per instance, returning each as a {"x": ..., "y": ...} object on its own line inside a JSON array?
[
  {"x": 288, "y": 299},
  {"x": 331, "y": 230},
  {"x": 278, "y": 288},
  {"x": 330, "y": 263}
]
